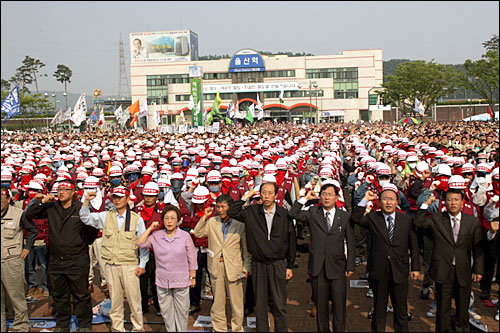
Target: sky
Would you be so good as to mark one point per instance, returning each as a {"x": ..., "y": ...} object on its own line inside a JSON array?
[{"x": 85, "y": 35}]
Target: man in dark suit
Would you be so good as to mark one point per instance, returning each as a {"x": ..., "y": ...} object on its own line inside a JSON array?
[
  {"x": 457, "y": 236},
  {"x": 328, "y": 265},
  {"x": 392, "y": 237}
]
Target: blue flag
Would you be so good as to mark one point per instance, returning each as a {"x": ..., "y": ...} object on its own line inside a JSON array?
[
  {"x": 93, "y": 117},
  {"x": 11, "y": 104}
]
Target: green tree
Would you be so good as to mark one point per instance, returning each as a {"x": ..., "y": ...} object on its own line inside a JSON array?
[
  {"x": 32, "y": 66},
  {"x": 5, "y": 85},
  {"x": 63, "y": 74},
  {"x": 22, "y": 78},
  {"x": 482, "y": 75},
  {"x": 29, "y": 104},
  {"x": 420, "y": 79},
  {"x": 491, "y": 44}
]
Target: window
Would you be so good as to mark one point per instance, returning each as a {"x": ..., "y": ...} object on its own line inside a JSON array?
[
  {"x": 212, "y": 96},
  {"x": 168, "y": 120},
  {"x": 345, "y": 80},
  {"x": 217, "y": 76},
  {"x": 284, "y": 73}
]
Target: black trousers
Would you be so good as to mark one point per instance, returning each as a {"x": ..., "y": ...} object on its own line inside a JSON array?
[
  {"x": 249, "y": 296},
  {"x": 398, "y": 292},
  {"x": 70, "y": 277},
  {"x": 325, "y": 290},
  {"x": 444, "y": 293},
  {"x": 269, "y": 280},
  {"x": 490, "y": 259},
  {"x": 148, "y": 280}
]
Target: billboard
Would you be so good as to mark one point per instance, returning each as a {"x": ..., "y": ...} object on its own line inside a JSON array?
[{"x": 163, "y": 46}]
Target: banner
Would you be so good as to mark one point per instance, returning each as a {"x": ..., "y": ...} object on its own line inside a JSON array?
[
  {"x": 118, "y": 113},
  {"x": 163, "y": 46},
  {"x": 66, "y": 116},
  {"x": 57, "y": 118},
  {"x": 250, "y": 87},
  {"x": 196, "y": 92}
]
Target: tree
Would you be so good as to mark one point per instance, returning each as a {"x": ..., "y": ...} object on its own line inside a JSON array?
[
  {"x": 420, "y": 79},
  {"x": 482, "y": 75},
  {"x": 22, "y": 78},
  {"x": 32, "y": 66},
  {"x": 491, "y": 44},
  {"x": 5, "y": 85},
  {"x": 63, "y": 75}
]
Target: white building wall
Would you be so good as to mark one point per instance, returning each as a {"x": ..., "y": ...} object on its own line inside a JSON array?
[{"x": 368, "y": 62}]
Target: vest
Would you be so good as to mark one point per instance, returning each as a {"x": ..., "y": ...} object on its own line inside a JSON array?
[
  {"x": 118, "y": 246},
  {"x": 12, "y": 234}
]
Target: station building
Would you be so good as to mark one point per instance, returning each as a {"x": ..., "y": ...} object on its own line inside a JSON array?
[{"x": 322, "y": 88}]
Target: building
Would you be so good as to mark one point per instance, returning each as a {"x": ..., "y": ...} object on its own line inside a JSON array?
[{"x": 320, "y": 88}]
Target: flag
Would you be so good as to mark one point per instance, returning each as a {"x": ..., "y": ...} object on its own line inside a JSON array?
[
  {"x": 260, "y": 114},
  {"x": 215, "y": 113},
  {"x": 134, "y": 111},
  {"x": 419, "y": 107},
  {"x": 93, "y": 117},
  {"x": 119, "y": 113},
  {"x": 281, "y": 96},
  {"x": 57, "y": 118},
  {"x": 259, "y": 104},
  {"x": 491, "y": 113},
  {"x": 65, "y": 116},
  {"x": 229, "y": 114},
  {"x": 181, "y": 115},
  {"x": 11, "y": 104},
  {"x": 143, "y": 112},
  {"x": 228, "y": 121},
  {"x": 191, "y": 103},
  {"x": 125, "y": 117},
  {"x": 80, "y": 110},
  {"x": 237, "y": 110},
  {"x": 157, "y": 117},
  {"x": 249, "y": 115},
  {"x": 101, "y": 118}
]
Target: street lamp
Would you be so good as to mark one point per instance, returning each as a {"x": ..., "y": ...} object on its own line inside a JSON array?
[{"x": 314, "y": 85}]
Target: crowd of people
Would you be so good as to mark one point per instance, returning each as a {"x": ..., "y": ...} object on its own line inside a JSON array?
[{"x": 157, "y": 215}]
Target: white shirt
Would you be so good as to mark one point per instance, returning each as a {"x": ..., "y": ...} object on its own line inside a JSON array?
[{"x": 393, "y": 215}]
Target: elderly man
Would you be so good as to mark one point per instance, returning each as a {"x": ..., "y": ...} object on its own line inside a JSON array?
[
  {"x": 123, "y": 263},
  {"x": 228, "y": 262}
]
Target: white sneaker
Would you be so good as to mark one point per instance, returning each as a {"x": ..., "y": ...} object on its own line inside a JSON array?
[
  {"x": 431, "y": 313},
  {"x": 474, "y": 315},
  {"x": 496, "y": 316}
]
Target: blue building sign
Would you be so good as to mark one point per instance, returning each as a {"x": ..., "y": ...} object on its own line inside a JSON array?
[{"x": 246, "y": 61}]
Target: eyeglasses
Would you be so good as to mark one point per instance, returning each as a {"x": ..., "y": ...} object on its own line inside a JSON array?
[
  {"x": 64, "y": 189},
  {"x": 166, "y": 218},
  {"x": 389, "y": 199}
]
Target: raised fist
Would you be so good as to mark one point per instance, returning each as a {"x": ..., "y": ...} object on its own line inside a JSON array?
[
  {"x": 370, "y": 179},
  {"x": 310, "y": 195},
  {"x": 369, "y": 196},
  {"x": 494, "y": 199},
  {"x": 208, "y": 211},
  {"x": 90, "y": 195},
  {"x": 434, "y": 185},
  {"x": 431, "y": 200},
  {"x": 48, "y": 198},
  {"x": 154, "y": 225}
]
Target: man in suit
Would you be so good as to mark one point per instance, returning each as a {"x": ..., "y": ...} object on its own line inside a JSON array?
[
  {"x": 455, "y": 235},
  {"x": 228, "y": 262},
  {"x": 392, "y": 237},
  {"x": 271, "y": 242},
  {"x": 328, "y": 265}
]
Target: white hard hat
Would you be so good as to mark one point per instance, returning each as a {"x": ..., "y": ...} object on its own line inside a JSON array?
[
  {"x": 200, "y": 195},
  {"x": 151, "y": 188},
  {"x": 443, "y": 169},
  {"x": 457, "y": 182}
]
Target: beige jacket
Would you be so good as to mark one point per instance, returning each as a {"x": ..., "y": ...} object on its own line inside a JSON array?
[{"x": 237, "y": 259}]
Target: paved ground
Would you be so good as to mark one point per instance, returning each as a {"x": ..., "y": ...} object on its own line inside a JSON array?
[{"x": 299, "y": 307}]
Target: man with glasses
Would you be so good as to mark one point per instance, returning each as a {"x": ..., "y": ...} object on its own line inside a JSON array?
[
  {"x": 329, "y": 267},
  {"x": 392, "y": 237},
  {"x": 69, "y": 254}
]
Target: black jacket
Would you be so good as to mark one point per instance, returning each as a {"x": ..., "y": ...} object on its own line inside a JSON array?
[
  {"x": 385, "y": 254},
  {"x": 282, "y": 242},
  {"x": 68, "y": 236},
  {"x": 469, "y": 244},
  {"x": 327, "y": 247}
]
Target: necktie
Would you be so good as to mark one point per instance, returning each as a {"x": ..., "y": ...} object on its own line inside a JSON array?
[
  {"x": 391, "y": 228},
  {"x": 455, "y": 228},
  {"x": 328, "y": 220}
]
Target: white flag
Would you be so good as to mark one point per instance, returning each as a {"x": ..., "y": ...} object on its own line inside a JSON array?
[
  {"x": 281, "y": 96},
  {"x": 259, "y": 104},
  {"x": 260, "y": 114},
  {"x": 419, "y": 107},
  {"x": 80, "y": 110},
  {"x": 125, "y": 117},
  {"x": 181, "y": 115},
  {"x": 65, "y": 116},
  {"x": 143, "y": 111},
  {"x": 252, "y": 109},
  {"x": 57, "y": 118},
  {"x": 191, "y": 102},
  {"x": 119, "y": 113},
  {"x": 157, "y": 117}
]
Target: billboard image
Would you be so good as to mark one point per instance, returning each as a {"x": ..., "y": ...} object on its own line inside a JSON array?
[{"x": 163, "y": 46}]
